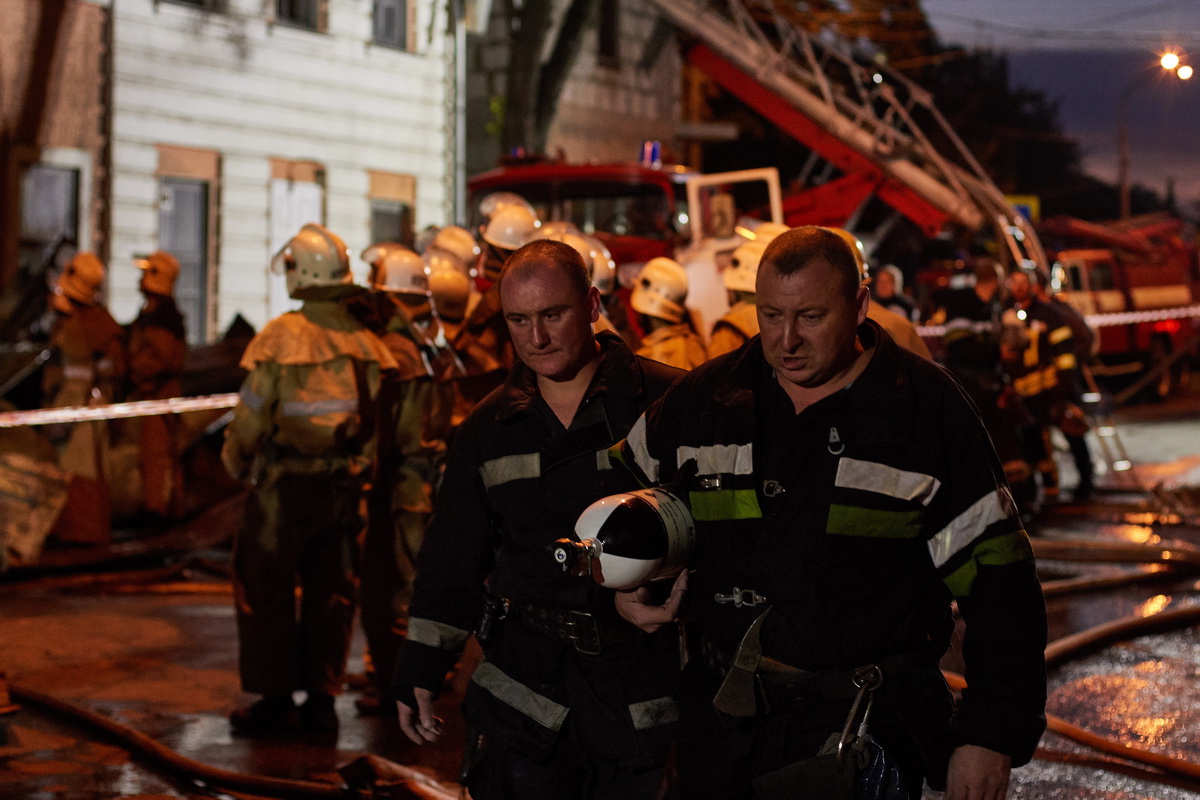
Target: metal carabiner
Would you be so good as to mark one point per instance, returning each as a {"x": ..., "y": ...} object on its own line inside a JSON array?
[{"x": 867, "y": 679}]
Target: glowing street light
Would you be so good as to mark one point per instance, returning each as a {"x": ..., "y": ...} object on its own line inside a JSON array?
[{"x": 1171, "y": 61}]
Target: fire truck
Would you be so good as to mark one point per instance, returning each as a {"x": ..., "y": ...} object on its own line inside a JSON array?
[{"x": 1138, "y": 284}]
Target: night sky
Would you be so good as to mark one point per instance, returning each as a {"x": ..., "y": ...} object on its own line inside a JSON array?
[{"x": 1084, "y": 53}]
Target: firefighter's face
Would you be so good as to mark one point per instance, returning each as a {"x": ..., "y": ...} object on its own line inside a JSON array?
[
  {"x": 549, "y": 321},
  {"x": 808, "y": 323}
]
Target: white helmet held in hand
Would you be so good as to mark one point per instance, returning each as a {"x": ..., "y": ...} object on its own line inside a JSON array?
[
  {"x": 743, "y": 267},
  {"x": 660, "y": 290},
  {"x": 314, "y": 260},
  {"x": 402, "y": 272},
  {"x": 766, "y": 231}
]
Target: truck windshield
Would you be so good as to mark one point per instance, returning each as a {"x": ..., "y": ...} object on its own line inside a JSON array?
[{"x": 622, "y": 209}]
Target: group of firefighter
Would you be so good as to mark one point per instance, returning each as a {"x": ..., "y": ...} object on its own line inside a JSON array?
[
  {"x": 342, "y": 423},
  {"x": 97, "y": 361}
]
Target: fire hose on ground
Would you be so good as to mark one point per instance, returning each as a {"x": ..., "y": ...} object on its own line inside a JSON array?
[
  {"x": 399, "y": 781},
  {"x": 1069, "y": 647}
]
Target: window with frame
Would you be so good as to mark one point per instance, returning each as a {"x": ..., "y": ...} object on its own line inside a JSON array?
[
  {"x": 391, "y": 23},
  {"x": 299, "y": 13},
  {"x": 392, "y": 221},
  {"x": 204, "y": 5}
]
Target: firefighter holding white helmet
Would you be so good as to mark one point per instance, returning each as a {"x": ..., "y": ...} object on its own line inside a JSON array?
[
  {"x": 303, "y": 436},
  {"x": 414, "y": 413},
  {"x": 157, "y": 349},
  {"x": 87, "y": 368},
  {"x": 658, "y": 296}
]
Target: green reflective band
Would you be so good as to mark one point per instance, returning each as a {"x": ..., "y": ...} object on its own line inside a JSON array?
[
  {"x": 724, "y": 504},
  {"x": 858, "y": 521},
  {"x": 1008, "y": 548}
]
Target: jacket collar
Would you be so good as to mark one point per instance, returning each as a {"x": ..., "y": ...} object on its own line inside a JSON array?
[
  {"x": 619, "y": 375},
  {"x": 880, "y": 400}
]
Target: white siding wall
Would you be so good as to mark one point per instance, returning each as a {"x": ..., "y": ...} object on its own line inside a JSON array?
[{"x": 233, "y": 83}]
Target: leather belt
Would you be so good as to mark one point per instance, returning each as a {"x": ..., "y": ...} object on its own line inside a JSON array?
[{"x": 580, "y": 628}]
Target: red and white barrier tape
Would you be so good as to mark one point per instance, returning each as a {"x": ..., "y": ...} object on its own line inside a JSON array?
[
  {"x": 1099, "y": 320},
  {"x": 138, "y": 408}
]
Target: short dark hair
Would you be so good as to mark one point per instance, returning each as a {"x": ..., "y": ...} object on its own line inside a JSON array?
[
  {"x": 548, "y": 252},
  {"x": 793, "y": 250}
]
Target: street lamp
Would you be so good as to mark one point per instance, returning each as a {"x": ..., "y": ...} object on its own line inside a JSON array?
[{"x": 1171, "y": 62}]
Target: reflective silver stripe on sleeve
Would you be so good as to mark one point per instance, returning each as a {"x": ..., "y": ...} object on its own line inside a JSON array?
[
  {"x": 641, "y": 454},
  {"x": 315, "y": 408},
  {"x": 871, "y": 476},
  {"x": 603, "y": 461},
  {"x": 510, "y": 468},
  {"x": 250, "y": 399},
  {"x": 541, "y": 710},
  {"x": 967, "y": 526},
  {"x": 719, "y": 459},
  {"x": 436, "y": 634},
  {"x": 75, "y": 372},
  {"x": 652, "y": 713}
]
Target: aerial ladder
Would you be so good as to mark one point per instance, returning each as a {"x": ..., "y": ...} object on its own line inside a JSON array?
[
  {"x": 870, "y": 124},
  {"x": 867, "y": 122}
]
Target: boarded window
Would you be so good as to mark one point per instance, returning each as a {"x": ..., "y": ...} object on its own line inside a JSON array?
[
  {"x": 301, "y": 13},
  {"x": 183, "y": 232},
  {"x": 391, "y": 23}
]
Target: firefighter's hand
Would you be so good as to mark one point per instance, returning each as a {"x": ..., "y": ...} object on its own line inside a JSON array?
[
  {"x": 420, "y": 725},
  {"x": 633, "y": 605},
  {"x": 977, "y": 773}
]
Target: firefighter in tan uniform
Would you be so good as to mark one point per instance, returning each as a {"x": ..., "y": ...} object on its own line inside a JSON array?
[
  {"x": 88, "y": 370},
  {"x": 157, "y": 349},
  {"x": 658, "y": 295},
  {"x": 414, "y": 415},
  {"x": 740, "y": 323},
  {"x": 303, "y": 435},
  {"x": 483, "y": 342}
]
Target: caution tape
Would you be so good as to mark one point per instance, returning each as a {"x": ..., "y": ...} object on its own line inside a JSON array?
[
  {"x": 138, "y": 408},
  {"x": 1099, "y": 320}
]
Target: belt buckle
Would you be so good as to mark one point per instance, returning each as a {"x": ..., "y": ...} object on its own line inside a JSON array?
[{"x": 584, "y": 632}]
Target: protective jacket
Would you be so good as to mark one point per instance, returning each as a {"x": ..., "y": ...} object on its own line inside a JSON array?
[
  {"x": 516, "y": 481},
  {"x": 312, "y": 372},
  {"x": 1044, "y": 372},
  {"x": 157, "y": 349},
  {"x": 674, "y": 345},
  {"x": 732, "y": 331},
  {"x": 305, "y": 419},
  {"x": 858, "y": 521}
]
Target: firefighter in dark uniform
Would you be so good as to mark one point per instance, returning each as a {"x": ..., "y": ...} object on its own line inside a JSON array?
[
  {"x": 971, "y": 316},
  {"x": 414, "y": 421},
  {"x": 303, "y": 436},
  {"x": 571, "y": 700},
  {"x": 157, "y": 349},
  {"x": 846, "y": 494},
  {"x": 1041, "y": 372}
]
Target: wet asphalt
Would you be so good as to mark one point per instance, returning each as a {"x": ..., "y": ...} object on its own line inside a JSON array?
[{"x": 154, "y": 650}]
